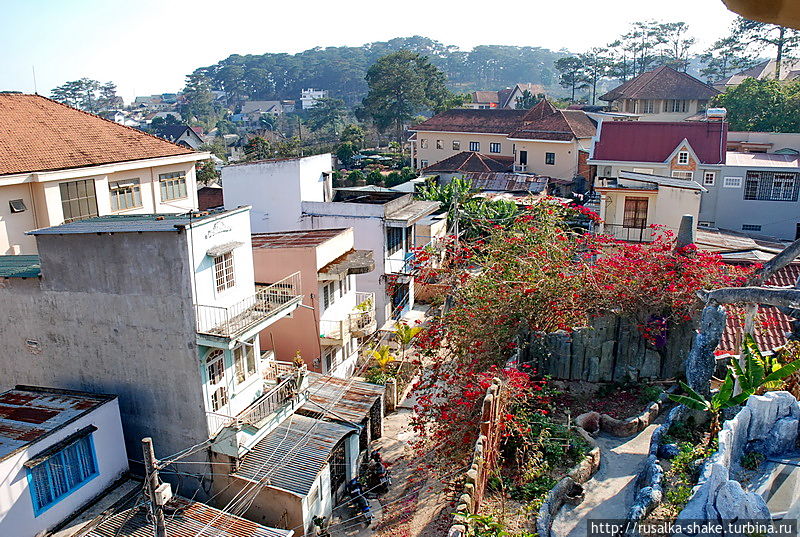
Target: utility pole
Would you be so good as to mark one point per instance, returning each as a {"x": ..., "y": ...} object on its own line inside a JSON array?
[{"x": 151, "y": 475}]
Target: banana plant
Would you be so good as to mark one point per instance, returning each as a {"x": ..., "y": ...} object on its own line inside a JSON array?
[
  {"x": 383, "y": 356},
  {"x": 750, "y": 379},
  {"x": 404, "y": 334}
]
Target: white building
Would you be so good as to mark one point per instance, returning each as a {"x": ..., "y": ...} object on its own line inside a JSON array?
[
  {"x": 310, "y": 96},
  {"x": 59, "y": 451},
  {"x": 275, "y": 188}
]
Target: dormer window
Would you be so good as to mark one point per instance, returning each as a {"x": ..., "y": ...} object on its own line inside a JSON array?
[{"x": 683, "y": 157}]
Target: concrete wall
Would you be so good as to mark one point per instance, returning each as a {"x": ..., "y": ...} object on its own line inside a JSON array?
[
  {"x": 566, "y": 166},
  {"x": 725, "y": 206},
  {"x": 16, "y": 504},
  {"x": 275, "y": 189},
  {"x": 434, "y": 155},
  {"x": 14, "y": 225},
  {"x": 107, "y": 317},
  {"x": 272, "y": 507},
  {"x": 779, "y": 140},
  {"x": 622, "y": 105}
]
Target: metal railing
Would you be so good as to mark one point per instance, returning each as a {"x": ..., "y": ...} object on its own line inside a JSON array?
[
  {"x": 277, "y": 371},
  {"x": 628, "y": 233},
  {"x": 335, "y": 330},
  {"x": 267, "y": 301},
  {"x": 217, "y": 422},
  {"x": 362, "y": 321},
  {"x": 267, "y": 404}
]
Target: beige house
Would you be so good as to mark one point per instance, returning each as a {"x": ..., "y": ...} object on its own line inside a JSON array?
[
  {"x": 633, "y": 202},
  {"x": 662, "y": 94},
  {"x": 790, "y": 70},
  {"x": 59, "y": 164},
  {"x": 543, "y": 140}
]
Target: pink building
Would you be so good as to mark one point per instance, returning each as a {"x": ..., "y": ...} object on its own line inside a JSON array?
[{"x": 334, "y": 316}]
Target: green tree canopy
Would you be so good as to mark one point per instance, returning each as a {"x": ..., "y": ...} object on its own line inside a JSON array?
[
  {"x": 401, "y": 85},
  {"x": 327, "y": 114},
  {"x": 763, "y": 35},
  {"x": 87, "y": 94},
  {"x": 724, "y": 58},
  {"x": 354, "y": 134},
  {"x": 762, "y": 105},
  {"x": 573, "y": 74}
]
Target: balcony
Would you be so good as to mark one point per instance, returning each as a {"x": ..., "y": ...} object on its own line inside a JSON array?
[
  {"x": 268, "y": 303},
  {"x": 360, "y": 322},
  {"x": 282, "y": 382},
  {"x": 628, "y": 233},
  {"x": 520, "y": 168}
]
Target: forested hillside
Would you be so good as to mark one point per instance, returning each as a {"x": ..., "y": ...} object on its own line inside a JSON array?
[{"x": 341, "y": 70}]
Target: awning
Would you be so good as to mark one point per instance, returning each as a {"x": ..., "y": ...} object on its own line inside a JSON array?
[
  {"x": 59, "y": 446},
  {"x": 352, "y": 262},
  {"x": 223, "y": 249}
]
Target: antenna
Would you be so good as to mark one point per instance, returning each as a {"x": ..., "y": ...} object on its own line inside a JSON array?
[{"x": 35, "y": 91}]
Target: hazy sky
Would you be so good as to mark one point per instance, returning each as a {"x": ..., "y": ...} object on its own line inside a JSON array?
[{"x": 148, "y": 46}]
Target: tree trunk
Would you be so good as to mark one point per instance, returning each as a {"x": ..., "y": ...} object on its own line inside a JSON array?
[{"x": 779, "y": 57}]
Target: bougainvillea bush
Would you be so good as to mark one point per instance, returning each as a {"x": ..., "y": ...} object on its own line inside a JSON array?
[{"x": 540, "y": 274}]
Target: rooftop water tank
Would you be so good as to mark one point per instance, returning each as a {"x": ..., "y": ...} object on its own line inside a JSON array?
[{"x": 716, "y": 113}]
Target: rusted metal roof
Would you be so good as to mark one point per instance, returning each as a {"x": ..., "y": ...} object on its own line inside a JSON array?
[
  {"x": 184, "y": 518},
  {"x": 295, "y": 239},
  {"x": 507, "y": 182},
  {"x": 340, "y": 399},
  {"x": 291, "y": 457},
  {"x": 28, "y": 414}
]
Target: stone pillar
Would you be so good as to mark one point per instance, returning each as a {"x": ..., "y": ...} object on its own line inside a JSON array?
[
  {"x": 390, "y": 403},
  {"x": 686, "y": 232}
]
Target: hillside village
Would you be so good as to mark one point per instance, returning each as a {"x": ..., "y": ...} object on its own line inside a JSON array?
[{"x": 562, "y": 306}]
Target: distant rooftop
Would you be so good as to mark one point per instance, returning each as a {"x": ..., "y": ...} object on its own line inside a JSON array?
[
  {"x": 294, "y": 239},
  {"x": 131, "y": 223},
  {"x": 363, "y": 196},
  {"x": 19, "y": 266},
  {"x": 29, "y": 413},
  {"x": 762, "y": 160}
]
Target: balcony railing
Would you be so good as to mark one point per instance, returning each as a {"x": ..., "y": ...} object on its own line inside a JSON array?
[
  {"x": 628, "y": 233},
  {"x": 267, "y": 301},
  {"x": 360, "y": 322}
]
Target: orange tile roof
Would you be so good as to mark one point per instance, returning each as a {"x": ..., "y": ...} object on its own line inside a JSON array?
[{"x": 39, "y": 134}]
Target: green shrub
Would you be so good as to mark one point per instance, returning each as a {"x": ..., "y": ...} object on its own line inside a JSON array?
[
  {"x": 752, "y": 460},
  {"x": 376, "y": 375},
  {"x": 650, "y": 394},
  {"x": 533, "y": 489}
]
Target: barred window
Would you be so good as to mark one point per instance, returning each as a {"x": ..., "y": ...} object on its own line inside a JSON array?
[
  {"x": 494, "y": 147},
  {"x": 771, "y": 186},
  {"x": 223, "y": 271},
  {"x": 474, "y": 146},
  {"x": 456, "y": 145},
  {"x": 125, "y": 194},
  {"x": 62, "y": 473},
  {"x": 394, "y": 240},
  {"x": 173, "y": 186}
]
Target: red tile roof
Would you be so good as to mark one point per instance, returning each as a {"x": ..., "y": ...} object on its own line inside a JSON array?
[
  {"x": 485, "y": 97},
  {"x": 654, "y": 141},
  {"x": 294, "y": 239},
  {"x": 469, "y": 161},
  {"x": 771, "y": 325},
  {"x": 662, "y": 83},
  {"x": 492, "y": 121},
  {"x": 542, "y": 122},
  {"x": 39, "y": 134}
]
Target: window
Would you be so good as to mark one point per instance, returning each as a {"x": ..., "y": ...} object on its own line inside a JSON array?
[
  {"x": 732, "y": 182},
  {"x": 550, "y": 158},
  {"x": 78, "y": 200},
  {"x": 630, "y": 106},
  {"x": 635, "y": 215},
  {"x": 456, "y": 145},
  {"x": 219, "y": 398},
  {"x": 648, "y": 171},
  {"x": 62, "y": 473},
  {"x": 680, "y": 174},
  {"x": 770, "y": 186},
  {"x": 244, "y": 360},
  {"x": 683, "y": 157},
  {"x": 750, "y": 227},
  {"x": 223, "y": 271},
  {"x": 173, "y": 186},
  {"x": 674, "y": 105},
  {"x": 215, "y": 369},
  {"x": 494, "y": 147},
  {"x": 439, "y": 144},
  {"x": 709, "y": 178},
  {"x": 394, "y": 240},
  {"x": 125, "y": 194},
  {"x": 648, "y": 106},
  {"x": 328, "y": 295},
  {"x": 17, "y": 206},
  {"x": 474, "y": 146},
  {"x": 327, "y": 357},
  {"x": 423, "y": 143},
  {"x": 341, "y": 288},
  {"x": 523, "y": 158}
]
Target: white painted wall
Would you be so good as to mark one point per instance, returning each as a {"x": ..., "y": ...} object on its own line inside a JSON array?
[
  {"x": 16, "y": 504},
  {"x": 275, "y": 189}
]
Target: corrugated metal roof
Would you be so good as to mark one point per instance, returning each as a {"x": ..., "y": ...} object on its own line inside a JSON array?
[
  {"x": 28, "y": 414},
  {"x": 20, "y": 266},
  {"x": 129, "y": 223},
  {"x": 293, "y": 454},
  {"x": 184, "y": 518},
  {"x": 349, "y": 400},
  {"x": 507, "y": 182},
  {"x": 761, "y": 160}
]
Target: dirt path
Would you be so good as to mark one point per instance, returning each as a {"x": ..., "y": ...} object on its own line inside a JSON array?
[{"x": 609, "y": 494}]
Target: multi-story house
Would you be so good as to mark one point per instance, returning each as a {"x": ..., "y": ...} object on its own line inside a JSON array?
[
  {"x": 746, "y": 191},
  {"x": 162, "y": 310},
  {"x": 309, "y": 97},
  {"x": 662, "y": 94},
  {"x": 60, "y": 450},
  {"x": 385, "y": 223},
  {"x": 59, "y": 164},
  {"x": 275, "y": 189},
  {"x": 790, "y": 70},
  {"x": 336, "y": 315},
  {"x": 543, "y": 140}
]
